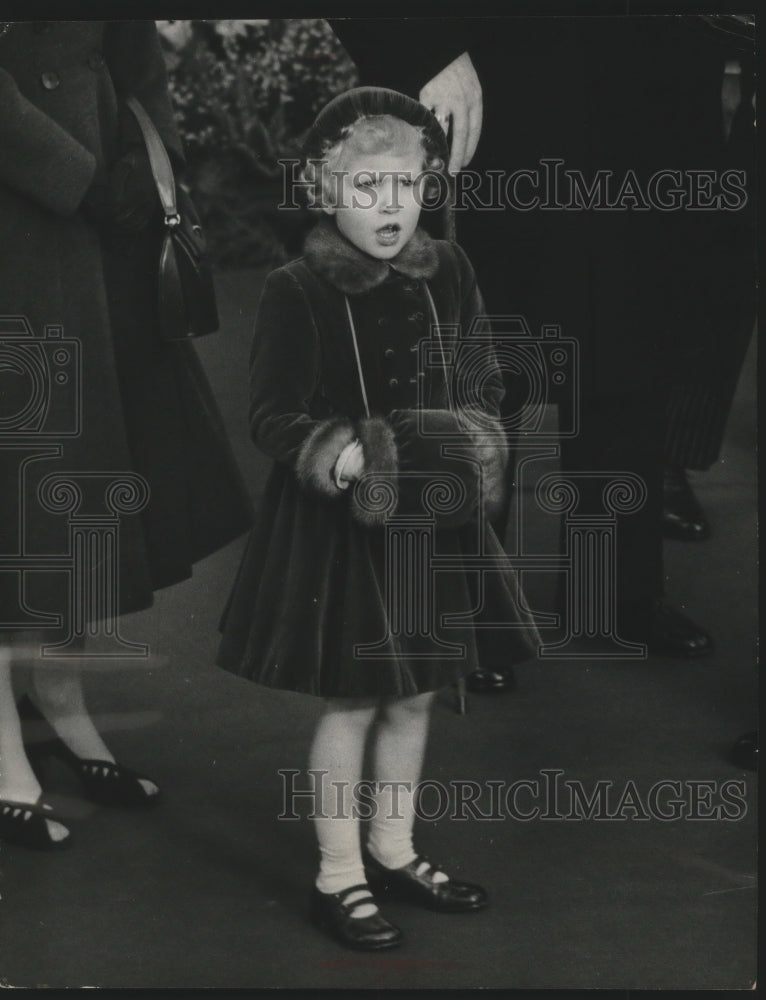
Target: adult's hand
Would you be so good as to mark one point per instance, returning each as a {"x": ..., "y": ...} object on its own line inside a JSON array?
[{"x": 455, "y": 93}]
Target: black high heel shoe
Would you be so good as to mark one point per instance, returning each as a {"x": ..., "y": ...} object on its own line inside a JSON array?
[
  {"x": 25, "y": 824},
  {"x": 104, "y": 782}
]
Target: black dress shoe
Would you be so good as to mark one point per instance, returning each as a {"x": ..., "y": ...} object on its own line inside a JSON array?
[
  {"x": 682, "y": 516},
  {"x": 405, "y": 883},
  {"x": 490, "y": 681},
  {"x": 104, "y": 782},
  {"x": 744, "y": 753},
  {"x": 331, "y": 913},
  {"x": 26, "y": 824},
  {"x": 667, "y": 632}
]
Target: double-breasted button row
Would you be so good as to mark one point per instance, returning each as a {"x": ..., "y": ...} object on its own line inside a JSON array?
[{"x": 51, "y": 80}]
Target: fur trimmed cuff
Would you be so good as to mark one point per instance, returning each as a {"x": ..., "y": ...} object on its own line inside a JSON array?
[
  {"x": 374, "y": 500},
  {"x": 491, "y": 445},
  {"x": 319, "y": 452}
]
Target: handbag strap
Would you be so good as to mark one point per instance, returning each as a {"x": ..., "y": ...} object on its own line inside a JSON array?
[
  {"x": 359, "y": 371},
  {"x": 162, "y": 170}
]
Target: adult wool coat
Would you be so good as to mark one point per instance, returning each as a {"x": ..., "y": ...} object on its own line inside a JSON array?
[
  {"x": 111, "y": 397},
  {"x": 648, "y": 292}
]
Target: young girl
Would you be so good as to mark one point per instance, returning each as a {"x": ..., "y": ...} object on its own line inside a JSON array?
[{"x": 386, "y": 456}]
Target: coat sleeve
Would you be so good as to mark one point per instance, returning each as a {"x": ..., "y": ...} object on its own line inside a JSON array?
[
  {"x": 284, "y": 375},
  {"x": 137, "y": 67},
  {"x": 38, "y": 158}
]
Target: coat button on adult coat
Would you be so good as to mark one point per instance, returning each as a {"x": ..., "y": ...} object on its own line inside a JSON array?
[
  {"x": 50, "y": 80},
  {"x": 394, "y": 383},
  {"x": 389, "y": 352}
]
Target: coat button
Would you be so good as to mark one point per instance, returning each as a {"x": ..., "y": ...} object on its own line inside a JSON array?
[
  {"x": 389, "y": 352},
  {"x": 95, "y": 60},
  {"x": 394, "y": 383},
  {"x": 50, "y": 80},
  {"x": 382, "y": 321}
]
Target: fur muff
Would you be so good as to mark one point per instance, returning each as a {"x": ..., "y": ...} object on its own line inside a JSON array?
[
  {"x": 352, "y": 271},
  {"x": 375, "y": 500},
  {"x": 491, "y": 446},
  {"x": 319, "y": 452}
]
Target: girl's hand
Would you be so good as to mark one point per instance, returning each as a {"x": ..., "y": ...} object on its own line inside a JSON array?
[{"x": 350, "y": 465}]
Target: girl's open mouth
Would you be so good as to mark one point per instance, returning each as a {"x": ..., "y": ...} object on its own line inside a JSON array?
[{"x": 389, "y": 234}]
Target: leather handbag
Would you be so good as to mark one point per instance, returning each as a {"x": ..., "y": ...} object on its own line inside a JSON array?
[{"x": 185, "y": 291}]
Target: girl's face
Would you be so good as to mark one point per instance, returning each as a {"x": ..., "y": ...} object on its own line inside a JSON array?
[{"x": 378, "y": 204}]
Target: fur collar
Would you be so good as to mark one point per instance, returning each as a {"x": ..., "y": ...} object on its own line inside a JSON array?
[{"x": 352, "y": 271}]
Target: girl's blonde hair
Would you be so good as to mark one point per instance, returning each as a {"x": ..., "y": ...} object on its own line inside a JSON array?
[{"x": 367, "y": 135}]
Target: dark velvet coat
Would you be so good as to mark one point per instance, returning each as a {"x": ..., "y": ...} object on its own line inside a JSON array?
[
  {"x": 144, "y": 406},
  {"x": 319, "y": 577}
]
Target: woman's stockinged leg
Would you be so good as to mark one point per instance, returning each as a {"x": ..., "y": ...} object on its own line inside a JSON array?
[
  {"x": 337, "y": 753},
  {"x": 398, "y": 754},
  {"x": 17, "y": 779},
  {"x": 59, "y": 695},
  {"x": 58, "y": 692}
]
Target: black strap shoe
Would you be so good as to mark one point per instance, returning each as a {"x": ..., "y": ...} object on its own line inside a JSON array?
[
  {"x": 104, "y": 782},
  {"x": 331, "y": 913},
  {"x": 414, "y": 883},
  {"x": 490, "y": 681},
  {"x": 682, "y": 516}
]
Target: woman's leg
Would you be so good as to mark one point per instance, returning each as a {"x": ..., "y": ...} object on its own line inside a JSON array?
[
  {"x": 338, "y": 750},
  {"x": 398, "y": 762},
  {"x": 17, "y": 780},
  {"x": 58, "y": 693}
]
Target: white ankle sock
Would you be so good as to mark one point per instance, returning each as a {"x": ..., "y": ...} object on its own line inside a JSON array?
[
  {"x": 390, "y": 835},
  {"x": 340, "y": 864}
]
